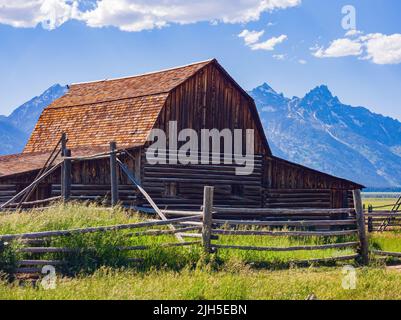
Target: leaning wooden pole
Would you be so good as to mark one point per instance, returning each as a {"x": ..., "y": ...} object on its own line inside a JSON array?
[
  {"x": 66, "y": 188},
  {"x": 46, "y": 174},
  {"x": 131, "y": 178},
  {"x": 63, "y": 148},
  {"x": 113, "y": 174},
  {"x": 207, "y": 219},
  {"x": 360, "y": 217}
]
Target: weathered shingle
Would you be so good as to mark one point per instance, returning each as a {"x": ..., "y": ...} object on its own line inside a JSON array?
[
  {"x": 95, "y": 113},
  {"x": 121, "y": 110},
  {"x": 127, "y": 122},
  {"x": 24, "y": 162}
]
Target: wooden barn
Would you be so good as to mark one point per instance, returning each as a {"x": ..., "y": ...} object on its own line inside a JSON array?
[{"x": 198, "y": 96}]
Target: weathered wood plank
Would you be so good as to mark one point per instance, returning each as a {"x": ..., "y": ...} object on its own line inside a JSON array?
[
  {"x": 285, "y": 249},
  {"x": 46, "y": 234}
]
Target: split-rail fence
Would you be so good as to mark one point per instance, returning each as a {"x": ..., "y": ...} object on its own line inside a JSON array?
[{"x": 204, "y": 228}]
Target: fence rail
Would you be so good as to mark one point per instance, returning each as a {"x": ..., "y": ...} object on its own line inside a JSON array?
[
  {"x": 350, "y": 223},
  {"x": 203, "y": 228}
]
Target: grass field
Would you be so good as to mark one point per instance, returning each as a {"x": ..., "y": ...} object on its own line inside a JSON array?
[
  {"x": 379, "y": 202},
  {"x": 184, "y": 273}
]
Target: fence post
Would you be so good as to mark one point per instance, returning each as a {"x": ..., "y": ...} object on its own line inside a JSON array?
[
  {"x": 360, "y": 216},
  {"x": 113, "y": 174},
  {"x": 370, "y": 224},
  {"x": 207, "y": 219},
  {"x": 66, "y": 176},
  {"x": 63, "y": 148}
]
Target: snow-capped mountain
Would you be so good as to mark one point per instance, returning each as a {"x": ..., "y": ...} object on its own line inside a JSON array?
[
  {"x": 16, "y": 128},
  {"x": 321, "y": 132}
]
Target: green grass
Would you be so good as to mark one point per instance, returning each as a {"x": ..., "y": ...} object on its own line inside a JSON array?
[
  {"x": 386, "y": 241},
  {"x": 86, "y": 261},
  {"x": 238, "y": 283},
  {"x": 378, "y": 202},
  {"x": 185, "y": 273}
]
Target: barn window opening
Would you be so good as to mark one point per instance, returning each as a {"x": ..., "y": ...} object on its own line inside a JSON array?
[
  {"x": 171, "y": 189},
  {"x": 237, "y": 190}
]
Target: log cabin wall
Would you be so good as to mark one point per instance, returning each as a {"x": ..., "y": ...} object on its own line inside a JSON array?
[
  {"x": 181, "y": 187},
  {"x": 90, "y": 181},
  {"x": 288, "y": 185}
]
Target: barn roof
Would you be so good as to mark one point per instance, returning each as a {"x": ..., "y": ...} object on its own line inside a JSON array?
[
  {"x": 26, "y": 162},
  {"x": 122, "y": 110}
]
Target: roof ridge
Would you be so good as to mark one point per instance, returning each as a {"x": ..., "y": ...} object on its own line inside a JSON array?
[{"x": 146, "y": 74}]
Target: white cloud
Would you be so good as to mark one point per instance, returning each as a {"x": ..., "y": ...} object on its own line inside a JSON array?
[
  {"x": 376, "y": 47},
  {"x": 340, "y": 48},
  {"x": 269, "y": 45},
  {"x": 302, "y": 61},
  {"x": 29, "y": 13},
  {"x": 251, "y": 37},
  {"x": 252, "y": 40},
  {"x": 383, "y": 49},
  {"x": 136, "y": 15},
  {"x": 353, "y": 33},
  {"x": 280, "y": 57}
]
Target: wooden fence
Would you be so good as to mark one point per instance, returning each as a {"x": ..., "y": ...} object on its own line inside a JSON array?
[
  {"x": 33, "y": 243},
  {"x": 380, "y": 221},
  {"x": 288, "y": 222},
  {"x": 215, "y": 222}
]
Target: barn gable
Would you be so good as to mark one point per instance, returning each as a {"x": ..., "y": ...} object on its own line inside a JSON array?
[{"x": 211, "y": 99}]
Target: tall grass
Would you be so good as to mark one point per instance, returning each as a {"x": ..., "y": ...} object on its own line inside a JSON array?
[
  {"x": 97, "y": 250},
  {"x": 98, "y": 271},
  {"x": 239, "y": 282}
]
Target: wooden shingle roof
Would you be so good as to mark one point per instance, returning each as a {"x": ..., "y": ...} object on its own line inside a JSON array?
[
  {"x": 25, "y": 162},
  {"x": 121, "y": 110}
]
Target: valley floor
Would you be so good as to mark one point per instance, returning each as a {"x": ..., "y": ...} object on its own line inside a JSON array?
[{"x": 241, "y": 283}]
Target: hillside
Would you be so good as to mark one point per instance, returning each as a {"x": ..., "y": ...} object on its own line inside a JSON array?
[
  {"x": 16, "y": 128},
  {"x": 321, "y": 132}
]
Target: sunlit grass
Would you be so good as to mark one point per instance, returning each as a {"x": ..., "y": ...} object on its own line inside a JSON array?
[
  {"x": 380, "y": 202},
  {"x": 239, "y": 282},
  {"x": 186, "y": 273}
]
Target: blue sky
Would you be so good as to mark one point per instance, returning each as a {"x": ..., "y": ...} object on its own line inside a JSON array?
[{"x": 294, "y": 45}]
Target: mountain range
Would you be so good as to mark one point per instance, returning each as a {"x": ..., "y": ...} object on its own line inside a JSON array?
[
  {"x": 321, "y": 132},
  {"x": 318, "y": 131},
  {"x": 17, "y": 127}
]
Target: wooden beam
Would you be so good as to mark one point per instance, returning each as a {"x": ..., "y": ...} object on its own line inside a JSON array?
[
  {"x": 138, "y": 165},
  {"x": 265, "y": 211},
  {"x": 58, "y": 233},
  {"x": 313, "y": 223},
  {"x": 113, "y": 174},
  {"x": 207, "y": 219},
  {"x": 66, "y": 176},
  {"x": 38, "y": 180},
  {"x": 147, "y": 197},
  {"x": 286, "y": 233},
  {"x": 363, "y": 239},
  {"x": 285, "y": 249}
]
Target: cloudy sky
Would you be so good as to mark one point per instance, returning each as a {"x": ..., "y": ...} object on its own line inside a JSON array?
[{"x": 293, "y": 45}]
